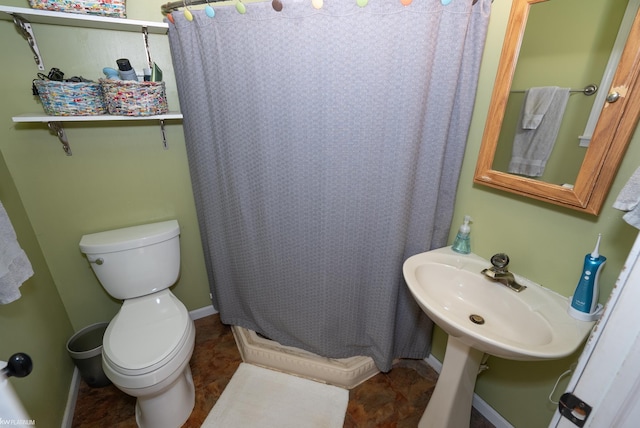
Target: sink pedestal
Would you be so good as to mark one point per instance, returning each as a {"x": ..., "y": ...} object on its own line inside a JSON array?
[{"x": 451, "y": 402}]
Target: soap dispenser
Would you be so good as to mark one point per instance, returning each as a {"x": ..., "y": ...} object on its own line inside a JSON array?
[{"x": 462, "y": 243}]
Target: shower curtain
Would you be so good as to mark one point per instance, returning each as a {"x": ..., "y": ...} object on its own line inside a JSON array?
[{"x": 325, "y": 147}]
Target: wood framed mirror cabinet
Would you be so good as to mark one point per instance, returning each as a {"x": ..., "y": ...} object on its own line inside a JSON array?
[{"x": 615, "y": 126}]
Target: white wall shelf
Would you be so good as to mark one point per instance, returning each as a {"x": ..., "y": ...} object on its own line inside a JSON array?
[
  {"x": 24, "y": 17},
  {"x": 40, "y": 117},
  {"x": 37, "y": 16},
  {"x": 55, "y": 123}
]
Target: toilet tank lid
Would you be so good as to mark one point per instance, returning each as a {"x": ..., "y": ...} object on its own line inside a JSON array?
[{"x": 129, "y": 237}]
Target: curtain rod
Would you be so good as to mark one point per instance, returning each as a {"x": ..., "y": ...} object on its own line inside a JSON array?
[
  {"x": 171, "y": 6},
  {"x": 588, "y": 90},
  {"x": 167, "y": 8}
]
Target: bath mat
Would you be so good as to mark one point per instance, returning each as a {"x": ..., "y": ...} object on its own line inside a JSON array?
[{"x": 262, "y": 398}]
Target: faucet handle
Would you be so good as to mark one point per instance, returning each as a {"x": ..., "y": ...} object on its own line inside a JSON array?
[{"x": 500, "y": 261}]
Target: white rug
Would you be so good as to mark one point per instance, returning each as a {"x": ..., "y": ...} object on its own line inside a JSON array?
[{"x": 261, "y": 398}]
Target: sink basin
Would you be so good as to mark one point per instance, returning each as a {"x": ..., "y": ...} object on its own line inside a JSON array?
[{"x": 488, "y": 316}]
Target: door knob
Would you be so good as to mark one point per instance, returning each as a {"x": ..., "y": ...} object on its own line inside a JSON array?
[{"x": 613, "y": 97}]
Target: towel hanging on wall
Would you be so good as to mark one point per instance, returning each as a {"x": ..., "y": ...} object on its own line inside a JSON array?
[
  {"x": 15, "y": 267},
  {"x": 629, "y": 200},
  {"x": 537, "y": 130},
  {"x": 536, "y": 104}
]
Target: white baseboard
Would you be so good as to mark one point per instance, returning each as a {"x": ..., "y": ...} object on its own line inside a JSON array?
[
  {"x": 69, "y": 410},
  {"x": 481, "y": 406},
  {"x": 202, "y": 312}
]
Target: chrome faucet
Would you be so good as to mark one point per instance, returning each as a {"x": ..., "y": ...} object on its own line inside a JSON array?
[{"x": 498, "y": 272}]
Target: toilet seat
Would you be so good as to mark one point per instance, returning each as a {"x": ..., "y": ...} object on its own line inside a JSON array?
[{"x": 146, "y": 334}]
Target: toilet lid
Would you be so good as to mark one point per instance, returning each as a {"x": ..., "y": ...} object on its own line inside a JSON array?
[{"x": 146, "y": 331}]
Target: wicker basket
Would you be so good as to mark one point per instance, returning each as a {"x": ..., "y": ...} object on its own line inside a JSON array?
[
  {"x": 131, "y": 98},
  {"x": 113, "y": 8},
  {"x": 71, "y": 98}
]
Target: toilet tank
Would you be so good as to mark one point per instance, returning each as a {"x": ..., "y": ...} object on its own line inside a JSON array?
[{"x": 135, "y": 261}]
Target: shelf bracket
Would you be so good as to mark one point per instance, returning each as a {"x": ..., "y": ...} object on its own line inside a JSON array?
[
  {"x": 24, "y": 27},
  {"x": 164, "y": 135},
  {"x": 56, "y": 128}
]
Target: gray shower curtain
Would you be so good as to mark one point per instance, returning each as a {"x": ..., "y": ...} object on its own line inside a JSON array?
[{"x": 325, "y": 148}]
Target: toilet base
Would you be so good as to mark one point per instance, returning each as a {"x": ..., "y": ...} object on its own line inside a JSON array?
[{"x": 169, "y": 409}]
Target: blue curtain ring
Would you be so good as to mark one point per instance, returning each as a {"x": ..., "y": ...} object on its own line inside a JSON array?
[{"x": 209, "y": 10}]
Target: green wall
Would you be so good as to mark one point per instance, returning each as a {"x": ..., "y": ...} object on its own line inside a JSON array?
[
  {"x": 36, "y": 324},
  {"x": 545, "y": 243},
  {"x": 119, "y": 175}
]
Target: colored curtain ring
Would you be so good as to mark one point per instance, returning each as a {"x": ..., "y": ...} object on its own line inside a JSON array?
[
  {"x": 209, "y": 10},
  {"x": 187, "y": 13},
  {"x": 240, "y": 7}
]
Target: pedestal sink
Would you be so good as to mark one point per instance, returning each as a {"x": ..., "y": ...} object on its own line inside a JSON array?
[{"x": 482, "y": 316}]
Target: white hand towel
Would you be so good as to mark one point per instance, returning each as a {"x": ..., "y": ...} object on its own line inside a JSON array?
[
  {"x": 15, "y": 267},
  {"x": 532, "y": 147},
  {"x": 536, "y": 104},
  {"x": 629, "y": 200}
]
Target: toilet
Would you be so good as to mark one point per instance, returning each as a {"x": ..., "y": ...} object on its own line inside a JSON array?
[{"x": 148, "y": 344}]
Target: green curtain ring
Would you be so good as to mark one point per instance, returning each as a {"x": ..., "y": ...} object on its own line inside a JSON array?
[{"x": 240, "y": 7}]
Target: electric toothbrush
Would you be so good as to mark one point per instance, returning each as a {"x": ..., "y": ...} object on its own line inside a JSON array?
[{"x": 584, "y": 302}]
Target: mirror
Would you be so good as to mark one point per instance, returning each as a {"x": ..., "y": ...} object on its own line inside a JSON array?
[{"x": 584, "y": 185}]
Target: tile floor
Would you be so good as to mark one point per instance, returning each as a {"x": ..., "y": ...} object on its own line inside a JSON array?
[{"x": 393, "y": 399}]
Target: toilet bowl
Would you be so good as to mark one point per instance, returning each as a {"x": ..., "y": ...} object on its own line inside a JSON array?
[
  {"x": 150, "y": 361},
  {"x": 148, "y": 344}
]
